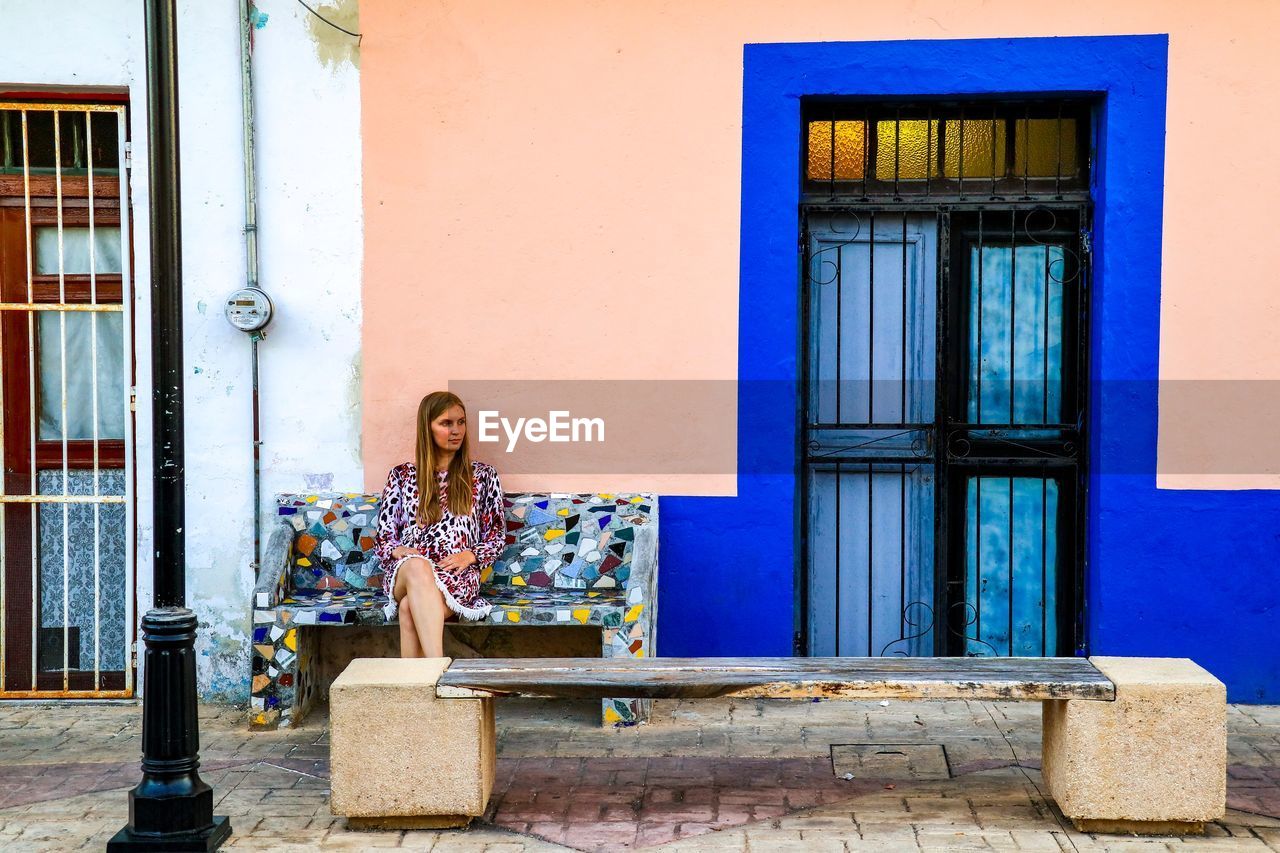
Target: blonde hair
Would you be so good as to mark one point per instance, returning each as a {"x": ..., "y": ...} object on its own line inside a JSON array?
[{"x": 460, "y": 481}]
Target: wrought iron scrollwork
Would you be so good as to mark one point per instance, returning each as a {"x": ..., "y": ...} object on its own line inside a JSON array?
[
  {"x": 822, "y": 262},
  {"x": 923, "y": 622},
  {"x": 960, "y": 445},
  {"x": 961, "y": 630},
  {"x": 923, "y": 628},
  {"x": 1060, "y": 263},
  {"x": 918, "y": 447}
]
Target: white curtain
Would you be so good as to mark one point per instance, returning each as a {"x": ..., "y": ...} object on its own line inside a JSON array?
[
  {"x": 80, "y": 375},
  {"x": 75, "y": 250}
]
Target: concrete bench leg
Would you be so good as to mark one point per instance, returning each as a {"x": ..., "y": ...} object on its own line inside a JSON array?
[
  {"x": 618, "y": 642},
  {"x": 400, "y": 757},
  {"x": 1152, "y": 762},
  {"x": 281, "y": 688}
]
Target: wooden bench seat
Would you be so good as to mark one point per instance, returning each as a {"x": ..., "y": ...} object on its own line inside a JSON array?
[
  {"x": 1129, "y": 745},
  {"x": 1032, "y": 679}
]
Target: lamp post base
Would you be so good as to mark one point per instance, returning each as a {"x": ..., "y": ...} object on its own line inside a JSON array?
[
  {"x": 172, "y": 807},
  {"x": 127, "y": 841}
]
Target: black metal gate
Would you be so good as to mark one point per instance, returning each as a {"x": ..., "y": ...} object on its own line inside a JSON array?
[{"x": 945, "y": 327}]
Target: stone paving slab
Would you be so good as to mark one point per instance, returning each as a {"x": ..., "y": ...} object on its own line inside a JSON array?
[{"x": 745, "y": 775}]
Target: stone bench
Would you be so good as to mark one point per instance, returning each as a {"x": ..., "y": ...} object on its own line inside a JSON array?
[
  {"x": 1134, "y": 745},
  {"x": 571, "y": 560}
]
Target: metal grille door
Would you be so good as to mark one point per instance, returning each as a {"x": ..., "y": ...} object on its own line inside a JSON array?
[
  {"x": 945, "y": 326},
  {"x": 66, "y": 497},
  {"x": 872, "y": 309}
]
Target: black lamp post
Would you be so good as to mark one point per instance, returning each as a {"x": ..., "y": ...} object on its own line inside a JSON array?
[{"x": 171, "y": 808}]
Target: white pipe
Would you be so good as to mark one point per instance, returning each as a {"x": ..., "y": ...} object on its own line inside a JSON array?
[{"x": 93, "y": 345}]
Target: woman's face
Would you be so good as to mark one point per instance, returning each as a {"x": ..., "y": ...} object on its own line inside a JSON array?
[{"x": 449, "y": 429}]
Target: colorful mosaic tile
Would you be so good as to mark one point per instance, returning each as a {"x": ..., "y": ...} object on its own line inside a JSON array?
[
  {"x": 570, "y": 560},
  {"x": 569, "y": 542},
  {"x": 333, "y": 541}
]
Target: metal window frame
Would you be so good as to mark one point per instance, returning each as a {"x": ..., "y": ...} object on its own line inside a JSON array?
[{"x": 80, "y": 683}]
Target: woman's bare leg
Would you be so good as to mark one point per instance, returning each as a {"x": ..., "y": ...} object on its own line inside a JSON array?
[
  {"x": 410, "y": 646},
  {"x": 417, "y": 580}
]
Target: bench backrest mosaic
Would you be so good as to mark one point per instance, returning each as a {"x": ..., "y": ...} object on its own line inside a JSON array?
[{"x": 559, "y": 541}]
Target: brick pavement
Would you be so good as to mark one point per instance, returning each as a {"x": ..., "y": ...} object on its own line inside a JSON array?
[{"x": 709, "y": 775}]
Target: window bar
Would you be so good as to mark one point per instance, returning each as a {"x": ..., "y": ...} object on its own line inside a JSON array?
[
  {"x": 960, "y": 155},
  {"x": 31, "y": 387},
  {"x": 1057, "y": 158},
  {"x": 38, "y": 500},
  {"x": 902, "y": 548},
  {"x": 62, "y": 378},
  {"x": 839, "y": 540},
  {"x": 1013, "y": 312},
  {"x": 839, "y": 247},
  {"x": 93, "y": 349},
  {"x": 994, "y": 123},
  {"x": 1081, "y": 328},
  {"x": 977, "y": 560},
  {"x": 871, "y": 566},
  {"x": 832, "y": 175},
  {"x": 126, "y": 345},
  {"x": 871, "y": 318},
  {"x": 1026, "y": 149},
  {"x": 1044, "y": 346},
  {"x": 1011, "y": 614},
  {"x": 940, "y": 558},
  {"x": 897, "y": 151},
  {"x": 1044, "y": 559},
  {"x": 868, "y": 137},
  {"x": 981, "y": 263},
  {"x": 928, "y": 151},
  {"x": 69, "y": 307},
  {"x": 902, "y": 406}
]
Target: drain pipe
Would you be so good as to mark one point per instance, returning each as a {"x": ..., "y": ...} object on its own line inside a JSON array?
[{"x": 251, "y": 260}]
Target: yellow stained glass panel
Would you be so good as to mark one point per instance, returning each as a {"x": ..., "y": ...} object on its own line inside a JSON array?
[
  {"x": 984, "y": 148},
  {"x": 1049, "y": 142},
  {"x": 850, "y": 150},
  {"x": 909, "y": 146}
]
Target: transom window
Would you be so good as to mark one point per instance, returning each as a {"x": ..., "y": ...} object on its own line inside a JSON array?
[{"x": 1006, "y": 149}]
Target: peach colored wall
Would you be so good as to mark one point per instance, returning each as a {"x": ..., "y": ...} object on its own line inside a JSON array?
[{"x": 560, "y": 180}]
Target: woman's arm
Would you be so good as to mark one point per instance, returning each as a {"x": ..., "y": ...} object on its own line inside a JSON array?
[
  {"x": 390, "y": 514},
  {"x": 493, "y": 523}
]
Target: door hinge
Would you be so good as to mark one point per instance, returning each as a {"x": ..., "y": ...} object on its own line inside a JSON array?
[
  {"x": 128, "y": 155},
  {"x": 1086, "y": 242},
  {"x": 133, "y": 654},
  {"x": 133, "y": 398}
]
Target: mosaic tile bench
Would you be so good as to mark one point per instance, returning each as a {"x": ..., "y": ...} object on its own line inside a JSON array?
[{"x": 584, "y": 559}]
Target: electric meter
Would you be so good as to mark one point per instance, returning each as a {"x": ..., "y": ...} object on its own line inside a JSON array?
[{"x": 248, "y": 309}]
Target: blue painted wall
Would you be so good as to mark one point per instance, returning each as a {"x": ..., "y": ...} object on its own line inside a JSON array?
[{"x": 1170, "y": 573}]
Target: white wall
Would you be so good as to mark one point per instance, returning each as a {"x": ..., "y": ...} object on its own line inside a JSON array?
[{"x": 310, "y": 227}]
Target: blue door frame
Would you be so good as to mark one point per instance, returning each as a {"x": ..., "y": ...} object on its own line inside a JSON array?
[{"x": 1169, "y": 573}]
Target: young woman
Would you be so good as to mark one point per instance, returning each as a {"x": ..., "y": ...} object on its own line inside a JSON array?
[{"x": 441, "y": 520}]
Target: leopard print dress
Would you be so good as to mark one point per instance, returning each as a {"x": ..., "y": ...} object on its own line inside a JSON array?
[{"x": 483, "y": 532}]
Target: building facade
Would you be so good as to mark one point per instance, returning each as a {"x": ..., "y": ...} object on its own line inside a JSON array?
[{"x": 937, "y": 330}]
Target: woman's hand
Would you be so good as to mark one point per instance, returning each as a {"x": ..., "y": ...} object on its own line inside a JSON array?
[
  {"x": 405, "y": 551},
  {"x": 458, "y": 561}
]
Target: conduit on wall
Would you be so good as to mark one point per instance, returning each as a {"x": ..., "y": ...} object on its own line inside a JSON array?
[{"x": 251, "y": 257}]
